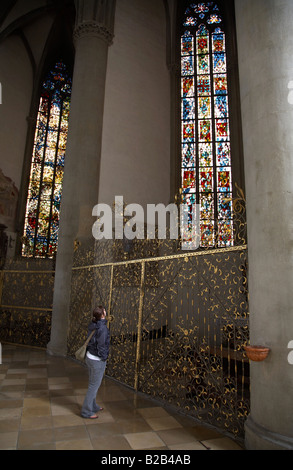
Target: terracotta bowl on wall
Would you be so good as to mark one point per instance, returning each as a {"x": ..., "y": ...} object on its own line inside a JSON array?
[{"x": 256, "y": 353}]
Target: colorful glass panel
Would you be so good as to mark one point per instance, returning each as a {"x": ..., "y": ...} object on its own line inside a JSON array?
[
  {"x": 204, "y": 131},
  {"x": 221, "y": 106},
  {"x": 203, "y": 64},
  {"x": 47, "y": 168},
  {"x": 206, "y": 180},
  {"x": 187, "y": 87},
  {"x": 204, "y": 85},
  {"x": 205, "y": 155},
  {"x": 224, "y": 180},
  {"x": 188, "y": 154},
  {"x": 223, "y": 155},
  {"x": 188, "y": 131},
  {"x": 204, "y": 107},
  {"x": 207, "y": 234},
  {"x": 188, "y": 106},
  {"x": 219, "y": 62},
  {"x": 202, "y": 45},
  {"x": 188, "y": 181},
  {"x": 189, "y": 199},
  {"x": 187, "y": 65},
  {"x": 225, "y": 206},
  {"x": 222, "y": 130},
  {"x": 187, "y": 45},
  {"x": 218, "y": 42},
  {"x": 220, "y": 84},
  {"x": 206, "y": 150},
  {"x": 225, "y": 233},
  {"x": 206, "y": 206},
  {"x": 190, "y": 21},
  {"x": 201, "y": 8},
  {"x": 214, "y": 19}
]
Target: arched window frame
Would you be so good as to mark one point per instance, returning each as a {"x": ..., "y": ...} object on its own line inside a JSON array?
[
  {"x": 227, "y": 12},
  {"x": 40, "y": 235}
]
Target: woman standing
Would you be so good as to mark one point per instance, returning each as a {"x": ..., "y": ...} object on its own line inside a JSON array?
[{"x": 96, "y": 359}]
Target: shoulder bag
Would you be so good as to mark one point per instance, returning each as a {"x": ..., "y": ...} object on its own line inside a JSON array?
[{"x": 81, "y": 352}]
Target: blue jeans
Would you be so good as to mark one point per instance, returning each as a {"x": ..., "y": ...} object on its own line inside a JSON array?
[{"x": 96, "y": 371}]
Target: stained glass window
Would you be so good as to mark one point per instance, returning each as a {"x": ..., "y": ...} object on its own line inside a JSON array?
[
  {"x": 47, "y": 168},
  {"x": 205, "y": 126}
]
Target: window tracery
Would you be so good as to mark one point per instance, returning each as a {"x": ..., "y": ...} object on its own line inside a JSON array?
[
  {"x": 206, "y": 169},
  {"x": 40, "y": 237}
]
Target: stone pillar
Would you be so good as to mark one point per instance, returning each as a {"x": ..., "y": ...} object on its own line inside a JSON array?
[
  {"x": 265, "y": 45},
  {"x": 92, "y": 36}
]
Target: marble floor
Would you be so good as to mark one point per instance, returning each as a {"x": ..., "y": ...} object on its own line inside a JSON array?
[{"x": 40, "y": 402}]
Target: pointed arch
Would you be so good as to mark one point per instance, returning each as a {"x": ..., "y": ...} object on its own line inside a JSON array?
[
  {"x": 41, "y": 226},
  {"x": 57, "y": 58}
]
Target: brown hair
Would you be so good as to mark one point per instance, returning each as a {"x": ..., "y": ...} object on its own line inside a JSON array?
[{"x": 98, "y": 312}]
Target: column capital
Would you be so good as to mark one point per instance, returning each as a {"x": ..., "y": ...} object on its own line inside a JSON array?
[
  {"x": 93, "y": 29},
  {"x": 95, "y": 18}
]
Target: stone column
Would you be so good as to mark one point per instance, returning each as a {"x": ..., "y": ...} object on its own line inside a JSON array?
[
  {"x": 265, "y": 45},
  {"x": 92, "y": 36}
]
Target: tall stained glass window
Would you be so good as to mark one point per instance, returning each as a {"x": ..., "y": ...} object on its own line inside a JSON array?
[
  {"x": 47, "y": 167},
  {"x": 205, "y": 132}
]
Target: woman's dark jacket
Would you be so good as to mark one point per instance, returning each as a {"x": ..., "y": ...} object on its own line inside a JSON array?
[{"x": 99, "y": 344}]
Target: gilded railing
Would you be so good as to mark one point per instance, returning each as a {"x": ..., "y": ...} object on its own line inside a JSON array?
[
  {"x": 178, "y": 320},
  {"x": 178, "y": 326},
  {"x": 26, "y": 296}
]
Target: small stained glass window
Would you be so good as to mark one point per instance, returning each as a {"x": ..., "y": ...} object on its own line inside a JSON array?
[
  {"x": 40, "y": 237},
  {"x": 205, "y": 127}
]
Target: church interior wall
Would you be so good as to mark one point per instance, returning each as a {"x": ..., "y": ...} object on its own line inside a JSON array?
[
  {"x": 17, "y": 81},
  {"x": 19, "y": 10},
  {"x": 17, "y": 84},
  {"x": 136, "y": 128},
  {"x": 20, "y": 56}
]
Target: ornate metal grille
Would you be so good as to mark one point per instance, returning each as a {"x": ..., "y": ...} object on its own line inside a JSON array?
[
  {"x": 178, "y": 326},
  {"x": 26, "y": 297},
  {"x": 178, "y": 321}
]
